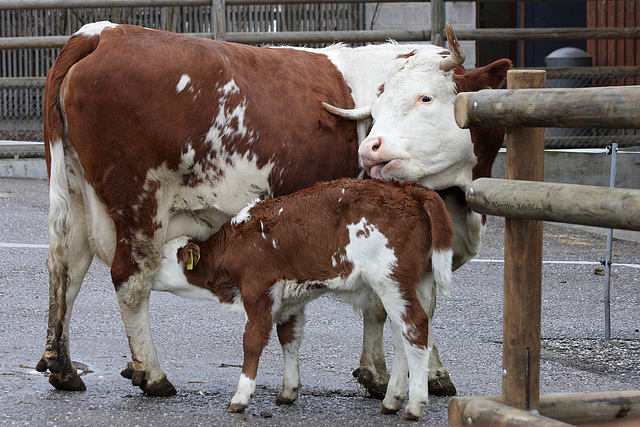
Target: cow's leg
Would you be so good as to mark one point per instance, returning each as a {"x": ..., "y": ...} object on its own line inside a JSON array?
[
  {"x": 372, "y": 373},
  {"x": 68, "y": 261},
  {"x": 254, "y": 340},
  {"x": 133, "y": 288},
  {"x": 290, "y": 335},
  {"x": 439, "y": 381},
  {"x": 397, "y": 389}
]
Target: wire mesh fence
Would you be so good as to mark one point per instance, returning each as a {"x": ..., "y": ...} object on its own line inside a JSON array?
[
  {"x": 21, "y": 113},
  {"x": 591, "y": 77}
]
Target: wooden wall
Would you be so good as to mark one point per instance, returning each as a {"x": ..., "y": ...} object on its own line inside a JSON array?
[{"x": 614, "y": 13}]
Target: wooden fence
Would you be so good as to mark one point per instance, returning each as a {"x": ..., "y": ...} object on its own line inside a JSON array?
[{"x": 517, "y": 107}]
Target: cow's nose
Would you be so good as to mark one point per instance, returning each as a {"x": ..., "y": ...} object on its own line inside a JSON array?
[{"x": 369, "y": 151}]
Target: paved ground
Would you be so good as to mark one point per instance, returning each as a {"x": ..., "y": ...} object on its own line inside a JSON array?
[{"x": 200, "y": 344}]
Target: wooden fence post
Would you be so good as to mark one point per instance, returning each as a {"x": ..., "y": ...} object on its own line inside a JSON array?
[
  {"x": 437, "y": 23},
  {"x": 219, "y": 19},
  {"x": 523, "y": 265}
]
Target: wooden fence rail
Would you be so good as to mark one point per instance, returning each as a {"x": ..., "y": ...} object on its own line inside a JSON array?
[
  {"x": 548, "y": 201},
  {"x": 599, "y": 107},
  {"x": 433, "y": 34}
]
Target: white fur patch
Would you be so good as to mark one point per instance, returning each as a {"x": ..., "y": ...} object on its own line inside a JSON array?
[
  {"x": 184, "y": 81},
  {"x": 441, "y": 262},
  {"x": 95, "y": 28},
  {"x": 246, "y": 389},
  {"x": 374, "y": 261},
  {"x": 244, "y": 215}
]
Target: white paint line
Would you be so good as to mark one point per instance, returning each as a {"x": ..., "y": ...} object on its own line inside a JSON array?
[
  {"x": 22, "y": 245},
  {"x": 501, "y": 261}
]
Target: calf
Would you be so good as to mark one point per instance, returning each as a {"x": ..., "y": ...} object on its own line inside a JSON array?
[{"x": 353, "y": 238}]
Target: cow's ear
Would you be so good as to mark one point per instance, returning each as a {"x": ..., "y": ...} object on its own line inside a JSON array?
[
  {"x": 189, "y": 255},
  {"x": 488, "y": 77}
]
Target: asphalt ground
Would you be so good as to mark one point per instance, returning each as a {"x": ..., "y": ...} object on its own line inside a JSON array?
[{"x": 199, "y": 343}]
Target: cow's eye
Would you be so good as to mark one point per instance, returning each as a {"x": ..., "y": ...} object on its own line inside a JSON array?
[{"x": 425, "y": 99}]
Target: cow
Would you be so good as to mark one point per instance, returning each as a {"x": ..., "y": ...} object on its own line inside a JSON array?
[
  {"x": 352, "y": 238},
  {"x": 151, "y": 135}
]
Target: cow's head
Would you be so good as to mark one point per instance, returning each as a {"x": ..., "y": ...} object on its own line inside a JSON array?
[{"x": 414, "y": 135}]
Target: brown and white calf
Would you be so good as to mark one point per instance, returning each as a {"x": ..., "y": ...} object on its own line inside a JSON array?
[
  {"x": 357, "y": 239},
  {"x": 151, "y": 135}
]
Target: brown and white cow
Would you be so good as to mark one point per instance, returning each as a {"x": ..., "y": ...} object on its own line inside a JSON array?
[
  {"x": 152, "y": 135},
  {"x": 357, "y": 239}
]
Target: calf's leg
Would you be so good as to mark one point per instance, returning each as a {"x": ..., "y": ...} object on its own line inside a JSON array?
[
  {"x": 290, "y": 335},
  {"x": 254, "y": 340},
  {"x": 372, "y": 373},
  {"x": 397, "y": 389},
  {"x": 440, "y": 383},
  {"x": 410, "y": 328}
]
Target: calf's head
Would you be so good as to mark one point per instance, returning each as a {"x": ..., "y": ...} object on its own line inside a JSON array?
[{"x": 180, "y": 266}]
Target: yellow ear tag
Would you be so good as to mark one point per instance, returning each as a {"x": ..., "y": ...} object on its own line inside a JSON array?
[{"x": 190, "y": 260}]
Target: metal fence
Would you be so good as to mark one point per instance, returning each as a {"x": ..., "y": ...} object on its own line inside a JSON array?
[{"x": 591, "y": 77}]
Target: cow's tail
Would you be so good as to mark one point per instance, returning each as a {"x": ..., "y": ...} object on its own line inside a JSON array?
[
  {"x": 441, "y": 240},
  {"x": 60, "y": 212}
]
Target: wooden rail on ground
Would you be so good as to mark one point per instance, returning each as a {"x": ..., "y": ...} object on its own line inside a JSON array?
[{"x": 527, "y": 103}]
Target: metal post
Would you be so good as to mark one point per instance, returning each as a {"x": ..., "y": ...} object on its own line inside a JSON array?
[{"x": 613, "y": 151}]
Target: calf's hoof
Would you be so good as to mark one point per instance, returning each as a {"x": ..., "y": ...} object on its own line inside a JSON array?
[
  {"x": 440, "y": 384},
  {"x": 160, "y": 388},
  {"x": 68, "y": 382},
  {"x": 374, "y": 386},
  {"x": 236, "y": 408}
]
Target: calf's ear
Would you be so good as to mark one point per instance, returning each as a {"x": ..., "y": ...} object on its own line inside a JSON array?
[{"x": 189, "y": 255}]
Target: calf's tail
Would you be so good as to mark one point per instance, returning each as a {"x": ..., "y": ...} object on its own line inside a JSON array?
[{"x": 441, "y": 240}]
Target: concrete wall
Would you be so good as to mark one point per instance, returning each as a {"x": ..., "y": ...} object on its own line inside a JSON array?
[
  {"x": 585, "y": 169},
  {"x": 23, "y": 168},
  {"x": 417, "y": 16}
]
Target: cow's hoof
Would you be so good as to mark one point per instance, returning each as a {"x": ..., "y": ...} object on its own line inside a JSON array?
[
  {"x": 367, "y": 379},
  {"x": 236, "y": 408},
  {"x": 69, "y": 382},
  {"x": 410, "y": 416},
  {"x": 441, "y": 385},
  {"x": 385, "y": 410},
  {"x": 283, "y": 399},
  {"x": 50, "y": 363},
  {"x": 161, "y": 388}
]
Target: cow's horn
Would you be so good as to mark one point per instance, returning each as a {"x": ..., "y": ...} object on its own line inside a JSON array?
[
  {"x": 351, "y": 114},
  {"x": 456, "y": 57}
]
